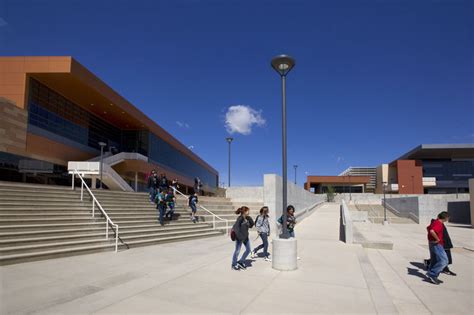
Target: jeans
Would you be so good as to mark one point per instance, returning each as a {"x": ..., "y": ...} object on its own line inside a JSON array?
[
  {"x": 152, "y": 194},
  {"x": 440, "y": 259},
  {"x": 170, "y": 212},
  {"x": 161, "y": 212},
  {"x": 264, "y": 245},
  {"x": 291, "y": 233},
  {"x": 238, "y": 245},
  {"x": 193, "y": 208}
]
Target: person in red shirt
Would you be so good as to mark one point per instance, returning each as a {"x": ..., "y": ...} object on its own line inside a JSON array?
[{"x": 436, "y": 244}]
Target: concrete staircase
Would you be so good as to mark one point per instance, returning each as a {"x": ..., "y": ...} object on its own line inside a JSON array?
[
  {"x": 41, "y": 222},
  {"x": 376, "y": 214}
]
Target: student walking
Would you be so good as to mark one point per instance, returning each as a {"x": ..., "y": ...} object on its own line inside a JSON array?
[
  {"x": 241, "y": 229},
  {"x": 197, "y": 185},
  {"x": 163, "y": 183},
  {"x": 161, "y": 206},
  {"x": 447, "y": 248},
  {"x": 290, "y": 220},
  {"x": 170, "y": 201},
  {"x": 262, "y": 224},
  {"x": 436, "y": 243},
  {"x": 192, "y": 201},
  {"x": 152, "y": 183}
]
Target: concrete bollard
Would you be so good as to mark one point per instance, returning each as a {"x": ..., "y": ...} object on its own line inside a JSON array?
[{"x": 284, "y": 254}]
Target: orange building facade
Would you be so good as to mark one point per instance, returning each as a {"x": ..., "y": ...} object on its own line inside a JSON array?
[{"x": 53, "y": 110}]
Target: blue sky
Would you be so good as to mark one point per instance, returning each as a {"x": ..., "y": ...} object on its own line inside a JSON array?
[{"x": 372, "y": 80}]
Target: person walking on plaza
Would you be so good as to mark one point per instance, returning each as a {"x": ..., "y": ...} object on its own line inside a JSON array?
[
  {"x": 197, "y": 185},
  {"x": 290, "y": 220},
  {"x": 448, "y": 244},
  {"x": 241, "y": 229},
  {"x": 163, "y": 183},
  {"x": 151, "y": 185},
  {"x": 262, "y": 224},
  {"x": 192, "y": 201},
  {"x": 161, "y": 206},
  {"x": 436, "y": 244},
  {"x": 170, "y": 202}
]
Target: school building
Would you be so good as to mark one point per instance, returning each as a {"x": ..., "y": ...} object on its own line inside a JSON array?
[{"x": 55, "y": 115}]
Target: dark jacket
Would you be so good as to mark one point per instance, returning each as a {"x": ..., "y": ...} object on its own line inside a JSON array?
[
  {"x": 241, "y": 228},
  {"x": 448, "y": 244}
]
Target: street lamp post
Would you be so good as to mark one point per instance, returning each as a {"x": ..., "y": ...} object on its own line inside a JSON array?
[
  {"x": 283, "y": 65},
  {"x": 229, "y": 141},
  {"x": 350, "y": 188},
  {"x": 295, "y": 167},
  {"x": 384, "y": 204},
  {"x": 102, "y": 145}
]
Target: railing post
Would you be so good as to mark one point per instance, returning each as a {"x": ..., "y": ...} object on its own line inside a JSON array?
[
  {"x": 93, "y": 207},
  {"x": 116, "y": 237},
  {"x": 82, "y": 189},
  {"x": 214, "y": 222},
  {"x": 226, "y": 226},
  {"x": 106, "y": 229},
  {"x": 72, "y": 180}
]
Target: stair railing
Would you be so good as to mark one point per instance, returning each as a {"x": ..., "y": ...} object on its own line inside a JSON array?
[
  {"x": 108, "y": 221},
  {"x": 214, "y": 216}
]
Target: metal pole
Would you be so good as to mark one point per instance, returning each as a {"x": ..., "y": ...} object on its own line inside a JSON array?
[
  {"x": 229, "y": 166},
  {"x": 295, "y": 166},
  {"x": 350, "y": 188},
  {"x": 384, "y": 205},
  {"x": 101, "y": 163},
  {"x": 285, "y": 228}
]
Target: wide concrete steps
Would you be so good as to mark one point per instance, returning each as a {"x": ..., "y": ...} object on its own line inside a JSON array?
[{"x": 42, "y": 222}]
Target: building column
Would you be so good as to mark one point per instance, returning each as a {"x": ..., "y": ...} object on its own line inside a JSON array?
[
  {"x": 136, "y": 181},
  {"x": 94, "y": 182}
]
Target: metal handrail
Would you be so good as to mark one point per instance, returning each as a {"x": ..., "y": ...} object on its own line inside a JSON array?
[
  {"x": 95, "y": 201},
  {"x": 214, "y": 216}
]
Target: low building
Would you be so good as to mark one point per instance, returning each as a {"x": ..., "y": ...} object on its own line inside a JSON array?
[
  {"x": 429, "y": 169},
  {"x": 54, "y": 111},
  {"x": 363, "y": 171},
  {"x": 340, "y": 184}
]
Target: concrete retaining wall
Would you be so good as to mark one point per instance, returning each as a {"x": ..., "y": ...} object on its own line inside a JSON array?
[
  {"x": 406, "y": 207},
  {"x": 300, "y": 198},
  {"x": 367, "y": 198},
  {"x": 471, "y": 198},
  {"x": 245, "y": 194},
  {"x": 426, "y": 207}
]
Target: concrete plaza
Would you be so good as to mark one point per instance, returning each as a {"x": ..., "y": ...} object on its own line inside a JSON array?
[{"x": 195, "y": 277}]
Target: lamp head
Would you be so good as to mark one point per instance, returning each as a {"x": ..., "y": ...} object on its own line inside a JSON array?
[
  {"x": 229, "y": 139},
  {"x": 102, "y": 144},
  {"x": 283, "y": 64}
]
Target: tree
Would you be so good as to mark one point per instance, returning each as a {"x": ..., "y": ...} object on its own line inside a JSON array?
[{"x": 330, "y": 193}]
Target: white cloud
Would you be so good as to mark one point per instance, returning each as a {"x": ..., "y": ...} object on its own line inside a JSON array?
[
  {"x": 190, "y": 147},
  {"x": 182, "y": 124},
  {"x": 241, "y": 118}
]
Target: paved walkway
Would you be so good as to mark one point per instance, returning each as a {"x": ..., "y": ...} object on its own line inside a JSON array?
[{"x": 195, "y": 277}]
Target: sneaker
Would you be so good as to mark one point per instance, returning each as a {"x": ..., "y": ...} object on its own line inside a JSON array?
[
  {"x": 267, "y": 259},
  {"x": 235, "y": 267},
  {"x": 449, "y": 272},
  {"x": 253, "y": 254},
  {"x": 426, "y": 263},
  {"x": 298, "y": 258},
  {"x": 241, "y": 265},
  {"x": 433, "y": 280}
]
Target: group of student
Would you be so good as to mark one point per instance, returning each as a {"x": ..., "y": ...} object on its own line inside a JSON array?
[
  {"x": 240, "y": 233},
  {"x": 161, "y": 193},
  {"x": 440, "y": 249}
]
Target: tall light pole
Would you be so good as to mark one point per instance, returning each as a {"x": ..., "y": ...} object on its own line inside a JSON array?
[
  {"x": 283, "y": 65},
  {"x": 229, "y": 141},
  {"x": 102, "y": 145},
  {"x": 384, "y": 204},
  {"x": 295, "y": 167},
  {"x": 350, "y": 188}
]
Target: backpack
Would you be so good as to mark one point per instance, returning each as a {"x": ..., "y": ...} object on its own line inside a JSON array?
[{"x": 233, "y": 234}]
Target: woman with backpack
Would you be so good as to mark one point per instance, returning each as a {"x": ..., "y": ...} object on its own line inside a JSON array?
[
  {"x": 290, "y": 220},
  {"x": 192, "y": 202},
  {"x": 241, "y": 232},
  {"x": 263, "y": 228}
]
